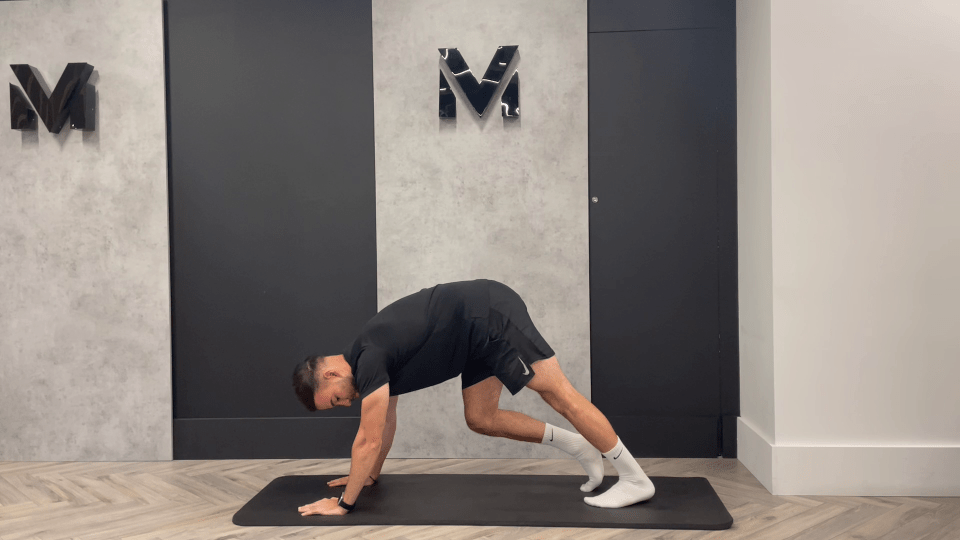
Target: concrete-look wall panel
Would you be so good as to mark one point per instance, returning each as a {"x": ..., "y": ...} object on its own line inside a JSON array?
[
  {"x": 472, "y": 198},
  {"x": 84, "y": 251}
]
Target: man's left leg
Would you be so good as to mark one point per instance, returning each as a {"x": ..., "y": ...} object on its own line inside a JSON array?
[
  {"x": 481, "y": 410},
  {"x": 552, "y": 385},
  {"x": 484, "y": 415}
]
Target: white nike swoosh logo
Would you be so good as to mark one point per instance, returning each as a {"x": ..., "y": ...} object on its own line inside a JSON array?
[{"x": 525, "y": 370}]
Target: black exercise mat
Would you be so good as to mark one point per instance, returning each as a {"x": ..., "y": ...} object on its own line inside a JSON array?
[{"x": 489, "y": 499}]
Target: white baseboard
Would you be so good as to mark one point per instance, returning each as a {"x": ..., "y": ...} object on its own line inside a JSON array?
[
  {"x": 865, "y": 471},
  {"x": 755, "y": 452}
]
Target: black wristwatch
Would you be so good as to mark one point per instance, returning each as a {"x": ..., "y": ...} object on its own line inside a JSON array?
[
  {"x": 350, "y": 507},
  {"x": 342, "y": 504}
]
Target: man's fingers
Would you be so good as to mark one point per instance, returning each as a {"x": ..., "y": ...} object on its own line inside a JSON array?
[
  {"x": 343, "y": 481},
  {"x": 321, "y": 507},
  {"x": 309, "y": 508}
]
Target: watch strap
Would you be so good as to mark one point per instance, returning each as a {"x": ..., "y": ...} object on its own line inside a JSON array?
[{"x": 348, "y": 507}]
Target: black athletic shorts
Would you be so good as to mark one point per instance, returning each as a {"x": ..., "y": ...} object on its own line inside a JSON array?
[{"x": 513, "y": 343}]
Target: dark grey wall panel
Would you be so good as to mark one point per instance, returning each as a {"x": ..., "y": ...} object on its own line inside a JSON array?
[
  {"x": 663, "y": 232},
  {"x": 666, "y": 436},
  {"x": 632, "y": 15},
  {"x": 727, "y": 222},
  {"x": 272, "y": 189},
  {"x": 653, "y": 147}
]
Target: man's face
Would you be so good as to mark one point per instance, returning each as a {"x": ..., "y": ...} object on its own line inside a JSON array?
[{"x": 338, "y": 391}]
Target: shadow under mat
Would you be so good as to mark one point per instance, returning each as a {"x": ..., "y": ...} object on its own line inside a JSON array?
[{"x": 488, "y": 499}]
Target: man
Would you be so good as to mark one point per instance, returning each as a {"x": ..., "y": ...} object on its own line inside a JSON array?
[{"x": 481, "y": 331}]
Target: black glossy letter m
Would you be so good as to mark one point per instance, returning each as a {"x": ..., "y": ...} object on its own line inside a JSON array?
[
  {"x": 480, "y": 93},
  {"x": 72, "y": 98}
]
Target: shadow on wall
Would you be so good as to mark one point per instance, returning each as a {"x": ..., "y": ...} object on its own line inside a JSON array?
[
  {"x": 466, "y": 112},
  {"x": 92, "y": 138}
]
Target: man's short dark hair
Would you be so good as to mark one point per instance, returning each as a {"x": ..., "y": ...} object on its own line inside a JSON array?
[{"x": 305, "y": 380}]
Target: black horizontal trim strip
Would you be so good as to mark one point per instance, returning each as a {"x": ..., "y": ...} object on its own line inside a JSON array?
[
  {"x": 323, "y": 437},
  {"x": 270, "y": 418},
  {"x": 653, "y": 30}
]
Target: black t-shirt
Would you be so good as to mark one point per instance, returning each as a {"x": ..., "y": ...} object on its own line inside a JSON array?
[{"x": 421, "y": 340}]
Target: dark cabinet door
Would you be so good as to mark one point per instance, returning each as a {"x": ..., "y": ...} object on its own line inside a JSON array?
[{"x": 655, "y": 275}]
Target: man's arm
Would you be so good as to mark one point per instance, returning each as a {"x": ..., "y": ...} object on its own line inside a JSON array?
[
  {"x": 366, "y": 447},
  {"x": 389, "y": 429}
]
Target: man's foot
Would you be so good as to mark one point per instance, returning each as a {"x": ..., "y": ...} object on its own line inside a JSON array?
[
  {"x": 577, "y": 446},
  {"x": 592, "y": 462},
  {"x": 624, "y": 493}
]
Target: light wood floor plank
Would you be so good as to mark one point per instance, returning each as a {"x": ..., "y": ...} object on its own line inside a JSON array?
[
  {"x": 887, "y": 521},
  {"x": 950, "y": 531},
  {"x": 843, "y": 522},
  {"x": 189, "y": 500},
  {"x": 932, "y": 519},
  {"x": 749, "y": 527},
  {"x": 808, "y": 519}
]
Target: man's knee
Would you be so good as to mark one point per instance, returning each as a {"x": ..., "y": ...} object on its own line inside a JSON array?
[
  {"x": 562, "y": 398},
  {"x": 479, "y": 423}
]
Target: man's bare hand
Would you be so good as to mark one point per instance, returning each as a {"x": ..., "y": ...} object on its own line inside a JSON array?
[
  {"x": 343, "y": 481},
  {"x": 324, "y": 507}
]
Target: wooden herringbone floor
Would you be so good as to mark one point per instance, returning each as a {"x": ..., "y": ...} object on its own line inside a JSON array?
[{"x": 196, "y": 500}]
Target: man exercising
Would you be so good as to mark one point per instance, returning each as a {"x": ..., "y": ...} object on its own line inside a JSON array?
[{"x": 481, "y": 331}]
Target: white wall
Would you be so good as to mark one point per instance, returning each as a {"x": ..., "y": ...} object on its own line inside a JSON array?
[
  {"x": 755, "y": 245},
  {"x": 476, "y": 198},
  {"x": 84, "y": 265},
  {"x": 754, "y": 222},
  {"x": 864, "y": 198}
]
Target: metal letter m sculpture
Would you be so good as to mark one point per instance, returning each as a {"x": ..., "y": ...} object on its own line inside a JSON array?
[
  {"x": 72, "y": 97},
  {"x": 480, "y": 94}
]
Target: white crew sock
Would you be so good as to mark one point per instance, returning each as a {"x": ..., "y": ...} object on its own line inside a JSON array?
[
  {"x": 633, "y": 486},
  {"x": 579, "y": 447}
]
